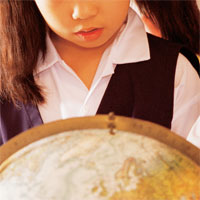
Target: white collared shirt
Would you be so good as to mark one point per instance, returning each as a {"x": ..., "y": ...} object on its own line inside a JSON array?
[{"x": 67, "y": 96}]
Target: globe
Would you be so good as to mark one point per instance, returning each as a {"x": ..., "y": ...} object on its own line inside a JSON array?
[{"x": 99, "y": 164}]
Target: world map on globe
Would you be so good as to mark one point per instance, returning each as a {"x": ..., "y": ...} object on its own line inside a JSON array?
[{"x": 96, "y": 165}]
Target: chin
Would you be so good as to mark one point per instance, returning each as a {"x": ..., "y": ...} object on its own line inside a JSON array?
[{"x": 92, "y": 44}]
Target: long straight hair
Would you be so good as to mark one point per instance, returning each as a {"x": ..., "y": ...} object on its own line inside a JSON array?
[
  {"x": 178, "y": 20},
  {"x": 22, "y": 37}
]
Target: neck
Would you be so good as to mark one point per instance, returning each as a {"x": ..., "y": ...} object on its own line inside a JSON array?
[{"x": 84, "y": 61}]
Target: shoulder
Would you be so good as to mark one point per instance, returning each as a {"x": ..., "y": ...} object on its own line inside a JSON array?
[
  {"x": 194, "y": 135},
  {"x": 163, "y": 52},
  {"x": 165, "y": 49},
  {"x": 159, "y": 45},
  {"x": 155, "y": 42},
  {"x": 185, "y": 72}
]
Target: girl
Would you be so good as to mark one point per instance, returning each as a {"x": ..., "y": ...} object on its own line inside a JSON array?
[{"x": 70, "y": 58}]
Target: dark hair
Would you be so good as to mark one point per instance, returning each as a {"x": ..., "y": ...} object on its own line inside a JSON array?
[
  {"x": 22, "y": 37},
  {"x": 178, "y": 20}
]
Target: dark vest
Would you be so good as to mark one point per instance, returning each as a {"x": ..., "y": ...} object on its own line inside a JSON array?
[{"x": 141, "y": 90}]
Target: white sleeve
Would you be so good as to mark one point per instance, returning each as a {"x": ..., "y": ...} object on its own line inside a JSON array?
[
  {"x": 194, "y": 135},
  {"x": 186, "y": 97}
]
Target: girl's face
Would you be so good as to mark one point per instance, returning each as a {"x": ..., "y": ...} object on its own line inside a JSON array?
[{"x": 86, "y": 23}]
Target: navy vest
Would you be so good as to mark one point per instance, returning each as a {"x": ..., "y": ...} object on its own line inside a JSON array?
[{"x": 141, "y": 90}]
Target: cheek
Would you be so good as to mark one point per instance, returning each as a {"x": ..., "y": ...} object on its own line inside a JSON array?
[
  {"x": 116, "y": 13},
  {"x": 50, "y": 3},
  {"x": 56, "y": 13}
]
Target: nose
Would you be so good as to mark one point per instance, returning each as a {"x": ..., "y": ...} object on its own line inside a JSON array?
[{"x": 84, "y": 10}]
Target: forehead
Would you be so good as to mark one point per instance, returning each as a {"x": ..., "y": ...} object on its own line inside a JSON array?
[
  {"x": 66, "y": 5},
  {"x": 79, "y": 1}
]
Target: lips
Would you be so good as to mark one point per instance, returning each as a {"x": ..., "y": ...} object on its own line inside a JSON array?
[{"x": 89, "y": 34}]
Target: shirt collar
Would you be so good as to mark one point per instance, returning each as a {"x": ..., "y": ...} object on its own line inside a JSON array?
[
  {"x": 130, "y": 45},
  {"x": 51, "y": 57}
]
